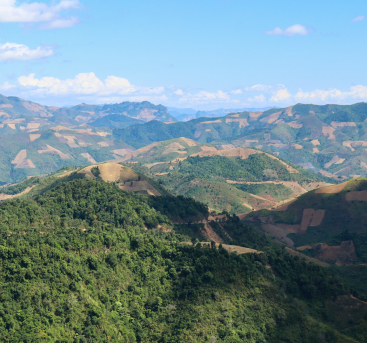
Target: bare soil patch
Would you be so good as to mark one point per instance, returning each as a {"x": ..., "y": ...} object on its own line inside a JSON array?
[
  {"x": 51, "y": 150},
  {"x": 139, "y": 186},
  {"x": 332, "y": 189},
  {"x": 241, "y": 121},
  {"x": 295, "y": 125},
  {"x": 189, "y": 142},
  {"x": 328, "y": 131},
  {"x": 356, "y": 195},
  {"x": 315, "y": 142},
  {"x": 88, "y": 157},
  {"x": 8, "y": 196},
  {"x": 271, "y": 118},
  {"x": 34, "y": 136}
]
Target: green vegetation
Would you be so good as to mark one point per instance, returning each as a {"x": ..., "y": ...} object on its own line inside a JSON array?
[
  {"x": 77, "y": 265},
  {"x": 279, "y": 192}
]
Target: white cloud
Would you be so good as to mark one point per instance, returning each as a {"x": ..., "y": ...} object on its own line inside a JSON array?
[
  {"x": 62, "y": 23},
  {"x": 290, "y": 31},
  {"x": 179, "y": 92},
  {"x": 257, "y": 99},
  {"x": 20, "y": 52},
  {"x": 204, "y": 97},
  {"x": 281, "y": 95},
  {"x": 356, "y": 93},
  {"x": 264, "y": 88},
  {"x": 34, "y": 12},
  {"x": 86, "y": 87},
  {"x": 237, "y": 91},
  {"x": 360, "y": 18}
]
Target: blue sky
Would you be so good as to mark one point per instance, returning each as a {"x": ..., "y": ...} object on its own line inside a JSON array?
[{"x": 200, "y": 54}]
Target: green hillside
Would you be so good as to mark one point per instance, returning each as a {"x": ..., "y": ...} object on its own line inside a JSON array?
[
  {"x": 234, "y": 180},
  {"x": 328, "y": 139},
  {"x": 87, "y": 262}
]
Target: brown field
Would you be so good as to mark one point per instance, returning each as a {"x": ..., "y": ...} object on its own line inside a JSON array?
[
  {"x": 332, "y": 189},
  {"x": 189, "y": 142},
  {"x": 208, "y": 232},
  {"x": 242, "y": 121},
  {"x": 25, "y": 164},
  {"x": 33, "y": 125},
  {"x": 51, "y": 150},
  {"x": 110, "y": 171},
  {"x": 227, "y": 146},
  {"x": 34, "y": 136},
  {"x": 173, "y": 147},
  {"x": 231, "y": 248},
  {"x": 12, "y": 126},
  {"x": 335, "y": 159},
  {"x": 207, "y": 130},
  {"x": 6, "y": 106},
  {"x": 295, "y": 125},
  {"x": 317, "y": 218},
  {"x": 88, "y": 157},
  {"x": 7, "y": 196},
  {"x": 315, "y": 142},
  {"x": 235, "y": 115},
  {"x": 197, "y": 134},
  {"x": 297, "y": 146},
  {"x": 315, "y": 150},
  {"x": 328, "y": 131},
  {"x": 22, "y": 155},
  {"x": 103, "y": 144},
  {"x": 208, "y": 122},
  {"x": 336, "y": 124},
  {"x": 276, "y": 231},
  {"x": 343, "y": 254},
  {"x": 271, "y": 118},
  {"x": 356, "y": 195},
  {"x": 147, "y": 114},
  {"x": 139, "y": 186},
  {"x": 255, "y": 115},
  {"x": 122, "y": 152},
  {"x": 208, "y": 148},
  {"x": 283, "y": 205},
  {"x": 288, "y": 111}
]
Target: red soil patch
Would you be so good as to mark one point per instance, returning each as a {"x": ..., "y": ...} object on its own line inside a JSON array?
[{"x": 311, "y": 218}]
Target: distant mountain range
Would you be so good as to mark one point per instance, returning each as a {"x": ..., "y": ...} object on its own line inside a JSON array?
[
  {"x": 186, "y": 114},
  {"x": 329, "y": 139}
]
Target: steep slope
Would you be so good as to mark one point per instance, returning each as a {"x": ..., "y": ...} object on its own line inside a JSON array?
[
  {"x": 78, "y": 264},
  {"x": 330, "y": 221}
]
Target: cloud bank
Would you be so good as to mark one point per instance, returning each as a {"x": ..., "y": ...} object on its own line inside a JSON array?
[{"x": 88, "y": 88}]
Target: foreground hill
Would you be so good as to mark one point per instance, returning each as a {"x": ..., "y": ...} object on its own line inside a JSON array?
[
  {"x": 328, "y": 139},
  {"x": 85, "y": 261},
  {"x": 328, "y": 223},
  {"x": 234, "y": 180}
]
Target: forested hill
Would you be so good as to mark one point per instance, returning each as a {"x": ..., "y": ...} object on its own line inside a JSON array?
[{"x": 88, "y": 262}]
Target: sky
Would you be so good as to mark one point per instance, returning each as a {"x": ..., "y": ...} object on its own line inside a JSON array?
[{"x": 184, "y": 53}]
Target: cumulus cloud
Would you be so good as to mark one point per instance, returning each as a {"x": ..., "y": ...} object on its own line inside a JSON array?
[
  {"x": 281, "y": 95},
  {"x": 237, "y": 91},
  {"x": 20, "y": 52},
  {"x": 360, "y": 18},
  {"x": 84, "y": 86},
  {"x": 257, "y": 99},
  {"x": 264, "y": 88},
  {"x": 355, "y": 93},
  {"x": 34, "y": 12},
  {"x": 179, "y": 92},
  {"x": 290, "y": 31}
]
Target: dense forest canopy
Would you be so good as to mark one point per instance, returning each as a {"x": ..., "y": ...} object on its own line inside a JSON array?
[{"x": 84, "y": 262}]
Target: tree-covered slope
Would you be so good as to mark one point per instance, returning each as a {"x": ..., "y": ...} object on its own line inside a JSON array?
[{"x": 78, "y": 265}]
